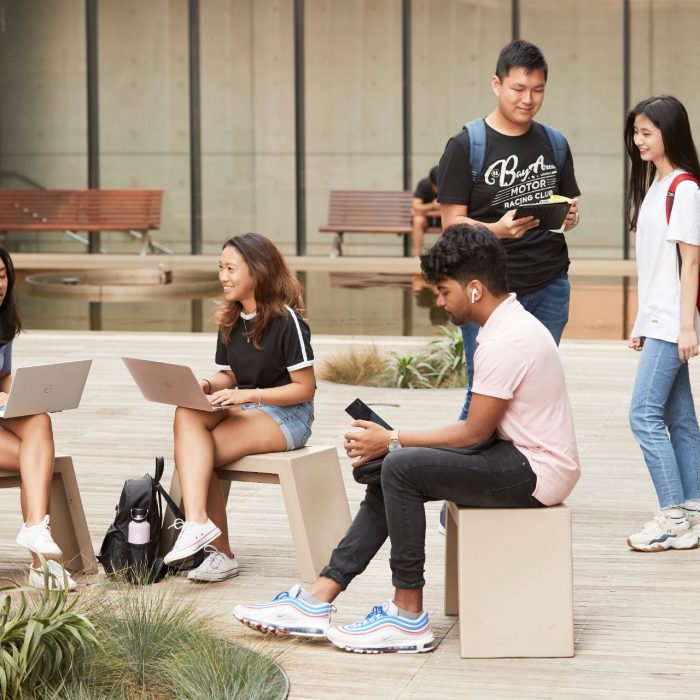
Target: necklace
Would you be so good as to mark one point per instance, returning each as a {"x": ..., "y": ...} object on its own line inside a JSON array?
[{"x": 247, "y": 317}]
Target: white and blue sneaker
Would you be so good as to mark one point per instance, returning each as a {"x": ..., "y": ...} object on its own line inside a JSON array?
[
  {"x": 287, "y": 614},
  {"x": 669, "y": 529},
  {"x": 384, "y": 631}
]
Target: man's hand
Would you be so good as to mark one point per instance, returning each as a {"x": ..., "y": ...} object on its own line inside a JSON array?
[
  {"x": 636, "y": 344},
  {"x": 508, "y": 227},
  {"x": 368, "y": 444},
  {"x": 573, "y": 216}
]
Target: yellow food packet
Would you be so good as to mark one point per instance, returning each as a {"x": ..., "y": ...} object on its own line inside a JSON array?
[{"x": 560, "y": 198}]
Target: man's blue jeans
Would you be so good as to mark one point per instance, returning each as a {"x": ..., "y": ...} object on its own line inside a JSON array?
[
  {"x": 549, "y": 305},
  {"x": 662, "y": 418}
]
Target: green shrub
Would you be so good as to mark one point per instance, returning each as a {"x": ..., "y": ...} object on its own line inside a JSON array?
[
  {"x": 41, "y": 636},
  {"x": 439, "y": 365}
]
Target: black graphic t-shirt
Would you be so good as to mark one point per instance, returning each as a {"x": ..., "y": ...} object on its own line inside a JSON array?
[{"x": 517, "y": 170}]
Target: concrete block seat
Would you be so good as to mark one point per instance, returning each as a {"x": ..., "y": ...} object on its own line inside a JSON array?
[
  {"x": 68, "y": 524},
  {"x": 509, "y": 577},
  {"x": 314, "y": 496}
]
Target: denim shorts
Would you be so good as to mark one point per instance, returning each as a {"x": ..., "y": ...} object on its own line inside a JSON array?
[{"x": 294, "y": 421}]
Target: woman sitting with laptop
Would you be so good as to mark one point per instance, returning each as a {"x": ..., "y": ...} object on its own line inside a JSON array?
[
  {"x": 26, "y": 446},
  {"x": 267, "y": 390}
]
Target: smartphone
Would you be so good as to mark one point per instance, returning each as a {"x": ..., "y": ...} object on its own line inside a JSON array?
[{"x": 359, "y": 410}]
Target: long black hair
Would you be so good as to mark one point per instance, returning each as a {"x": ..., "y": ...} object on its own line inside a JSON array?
[
  {"x": 10, "y": 324},
  {"x": 671, "y": 118}
]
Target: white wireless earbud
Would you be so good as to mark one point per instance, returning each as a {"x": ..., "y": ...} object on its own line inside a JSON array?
[{"x": 473, "y": 295}]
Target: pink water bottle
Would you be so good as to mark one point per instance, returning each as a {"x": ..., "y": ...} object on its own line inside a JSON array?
[{"x": 139, "y": 527}]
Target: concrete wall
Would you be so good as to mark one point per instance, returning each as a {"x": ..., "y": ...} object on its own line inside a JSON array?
[{"x": 353, "y": 101}]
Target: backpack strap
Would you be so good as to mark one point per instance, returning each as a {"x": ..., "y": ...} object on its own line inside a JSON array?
[
  {"x": 558, "y": 144},
  {"x": 160, "y": 467},
  {"x": 177, "y": 512},
  {"x": 476, "y": 130},
  {"x": 671, "y": 194}
]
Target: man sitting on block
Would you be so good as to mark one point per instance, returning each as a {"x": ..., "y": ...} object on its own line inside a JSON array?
[{"x": 519, "y": 394}]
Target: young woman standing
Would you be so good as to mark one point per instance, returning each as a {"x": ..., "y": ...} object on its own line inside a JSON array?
[
  {"x": 27, "y": 447},
  {"x": 662, "y": 416},
  {"x": 267, "y": 388}
]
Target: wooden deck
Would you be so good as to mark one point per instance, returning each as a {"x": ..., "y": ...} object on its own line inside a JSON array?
[{"x": 637, "y": 615}]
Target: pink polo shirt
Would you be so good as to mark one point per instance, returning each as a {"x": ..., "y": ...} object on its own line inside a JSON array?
[{"x": 517, "y": 360}]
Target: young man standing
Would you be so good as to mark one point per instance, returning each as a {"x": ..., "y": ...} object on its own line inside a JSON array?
[
  {"x": 522, "y": 162},
  {"x": 519, "y": 394}
]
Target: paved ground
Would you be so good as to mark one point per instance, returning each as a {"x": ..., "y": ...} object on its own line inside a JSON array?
[{"x": 637, "y": 616}]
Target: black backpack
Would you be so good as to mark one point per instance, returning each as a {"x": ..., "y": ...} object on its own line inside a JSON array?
[{"x": 141, "y": 563}]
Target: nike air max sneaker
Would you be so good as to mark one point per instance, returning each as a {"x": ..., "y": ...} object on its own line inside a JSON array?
[{"x": 287, "y": 614}]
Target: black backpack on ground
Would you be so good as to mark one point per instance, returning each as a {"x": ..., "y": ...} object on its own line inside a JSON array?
[{"x": 141, "y": 563}]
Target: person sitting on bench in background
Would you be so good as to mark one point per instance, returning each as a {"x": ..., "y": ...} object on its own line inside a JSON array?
[
  {"x": 519, "y": 394},
  {"x": 267, "y": 388},
  {"x": 27, "y": 447},
  {"x": 425, "y": 209}
]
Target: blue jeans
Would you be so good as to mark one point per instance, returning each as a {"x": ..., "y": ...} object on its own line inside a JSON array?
[
  {"x": 549, "y": 305},
  {"x": 663, "y": 421}
]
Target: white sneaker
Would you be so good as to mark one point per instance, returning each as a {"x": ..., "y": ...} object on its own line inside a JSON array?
[
  {"x": 693, "y": 518},
  {"x": 287, "y": 614},
  {"x": 37, "y": 539},
  {"x": 664, "y": 532},
  {"x": 385, "y": 631},
  {"x": 193, "y": 537},
  {"x": 54, "y": 576},
  {"x": 216, "y": 567}
]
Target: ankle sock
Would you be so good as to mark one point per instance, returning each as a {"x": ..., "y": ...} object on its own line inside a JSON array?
[
  {"x": 400, "y": 612},
  {"x": 308, "y": 598}
]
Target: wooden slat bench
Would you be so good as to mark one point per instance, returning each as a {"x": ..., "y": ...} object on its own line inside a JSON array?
[
  {"x": 509, "y": 577},
  {"x": 86, "y": 211},
  {"x": 68, "y": 525},
  {"x": 368, "y": 211},
  {"x": 314, "y": 496}
]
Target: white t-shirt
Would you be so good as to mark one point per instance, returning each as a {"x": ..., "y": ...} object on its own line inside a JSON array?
[
  {"x": 658, "y": 279},
  {"x": 518, "y": 361}
]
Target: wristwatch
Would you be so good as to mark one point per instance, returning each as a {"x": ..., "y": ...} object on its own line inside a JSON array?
[{"x": 394, "y": 442}]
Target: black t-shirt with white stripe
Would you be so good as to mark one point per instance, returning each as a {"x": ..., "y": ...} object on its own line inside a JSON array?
[{"x": 285, "y": 348}]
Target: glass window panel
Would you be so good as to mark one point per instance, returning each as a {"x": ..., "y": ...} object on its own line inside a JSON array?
[
  {"x": 247, "y": 92},
  {"x": 582, "y": 43},
  {"x": 42, "y": 105},
  {"x": 353, "y": 111},
  {"x": 144, "y": 109},
  {"x": 454, "y": 48}
]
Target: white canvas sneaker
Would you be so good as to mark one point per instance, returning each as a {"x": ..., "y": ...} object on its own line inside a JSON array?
[
  {"x": 37, "y": 539},
  {"x": 287, "y": 614},
  {"x": 384, "y": 631},
  {"x": 55, "y": 575},
  {"x": 216, "y": 567},
  {"x": 193, "y": 537},
  {"x": 664, "y": 532}
]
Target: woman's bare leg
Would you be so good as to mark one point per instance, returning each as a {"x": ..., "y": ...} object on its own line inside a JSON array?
[
  {"x": 246, "y": 433},
  {"x": 26, "y": 446},
  {"x": 194, "y": 458}
]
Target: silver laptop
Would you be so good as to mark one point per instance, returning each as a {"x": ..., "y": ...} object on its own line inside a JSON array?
[
  {"x": 46, "y": 389},
  {"x": 163, "y": 382}
]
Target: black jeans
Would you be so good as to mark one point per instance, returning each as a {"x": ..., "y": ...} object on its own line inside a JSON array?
[{"x": 498, "y": 477}]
